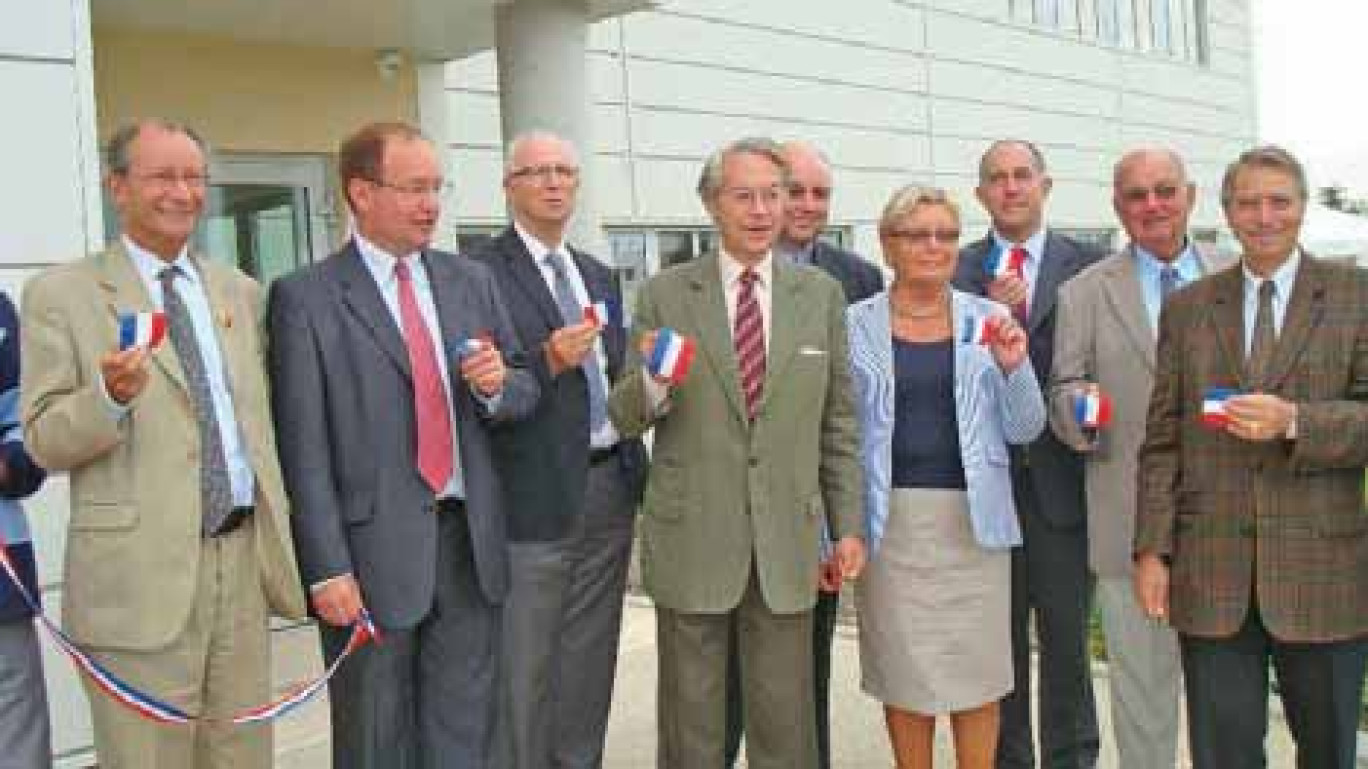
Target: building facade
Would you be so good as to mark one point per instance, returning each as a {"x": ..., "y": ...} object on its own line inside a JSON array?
[{"x": 894, "y": 90}]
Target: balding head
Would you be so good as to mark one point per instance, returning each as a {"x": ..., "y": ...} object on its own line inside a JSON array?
[
  {"x": 1153, "y": 199},
  {"x": 809, "y": 193}
]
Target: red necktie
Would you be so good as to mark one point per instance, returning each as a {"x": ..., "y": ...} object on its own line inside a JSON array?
[
  {"x": 433, "y": 418},
  {"x": 748, "y": 334},
  {"x": 1017, "y": 264}
]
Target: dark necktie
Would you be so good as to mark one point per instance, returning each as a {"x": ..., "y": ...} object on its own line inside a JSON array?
[
  {"x": 1169, "y": 281},
  {"x": 748, "y": 334},
  {"x": 216, "y": 490},
  {"x": 1261, "y": 346},
  {"x": 436, "y": 455},
  {"x": 572, "y": 313}
]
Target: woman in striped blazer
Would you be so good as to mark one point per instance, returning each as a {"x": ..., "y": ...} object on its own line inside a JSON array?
[{"x": 942, "y": 384}]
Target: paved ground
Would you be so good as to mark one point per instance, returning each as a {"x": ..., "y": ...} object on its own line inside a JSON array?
[{"x": 859, "y": 741}]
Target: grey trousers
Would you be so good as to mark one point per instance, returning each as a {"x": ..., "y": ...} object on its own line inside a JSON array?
[
  {"x": 1145, "y": 672},
  {"x": 25, "y": 736},
  {"x": 775, "y": 652},
  {"x": 561, "y": 622}
]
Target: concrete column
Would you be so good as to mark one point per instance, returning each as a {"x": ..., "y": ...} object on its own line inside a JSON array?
[{"x": 544, "y": 85}]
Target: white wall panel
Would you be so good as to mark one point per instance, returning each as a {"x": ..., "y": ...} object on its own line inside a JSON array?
[
  {"x": 40, "y": 30},
  {"x": 994, "y": 84},
  {"x": 878, "y": 22},
  {"x": 1019, "y": 47}
]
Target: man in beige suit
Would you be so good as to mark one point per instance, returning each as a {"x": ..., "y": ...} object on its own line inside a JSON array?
[
  {"x": 178, "y": 548},
  {"x": 1105, "y": 336},
  {"x": 751, "y": 450}
]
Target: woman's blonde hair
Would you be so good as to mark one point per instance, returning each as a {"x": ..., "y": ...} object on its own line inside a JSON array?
[{"x": 908, "y": 199}]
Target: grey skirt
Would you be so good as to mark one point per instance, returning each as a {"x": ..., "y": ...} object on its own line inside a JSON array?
[{"x": 933, "y": 609}]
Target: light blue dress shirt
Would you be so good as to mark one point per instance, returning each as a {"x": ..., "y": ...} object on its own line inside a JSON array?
[
  {"x": 1283, "y": 279},
  {"x": 1148, "y": 268},
  {"x": 1035, "y": 254},
  {"x": 190, "y": 285}
]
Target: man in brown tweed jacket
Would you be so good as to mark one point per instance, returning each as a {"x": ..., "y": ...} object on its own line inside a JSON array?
[{"x": 1253, "y": 533}]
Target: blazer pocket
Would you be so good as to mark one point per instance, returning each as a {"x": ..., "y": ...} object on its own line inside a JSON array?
[
  {"x": 103, "y": 516},
  {"x": 666, "y": 491}
]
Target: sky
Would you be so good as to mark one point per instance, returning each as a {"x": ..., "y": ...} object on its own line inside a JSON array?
[{"x": 1310, "y": 62}]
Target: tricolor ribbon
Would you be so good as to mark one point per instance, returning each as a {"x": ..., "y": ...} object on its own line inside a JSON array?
[
  {"x": 466, "y": 346},
  {"x": 1092, "y": 409},
  {"x": 1006, "y": 261},
  {"x": 1214, "y": 406},
  {"x": 976, "y": 330},
  {"x": 141, "y": 329},
  {"x": 671, "y": 356},
  {"x": 363, "y": 631},
  {"x": 603, "y": 313}
]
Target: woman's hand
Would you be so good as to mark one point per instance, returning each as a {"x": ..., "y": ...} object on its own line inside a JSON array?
[{"x": 1008, "y": 343}]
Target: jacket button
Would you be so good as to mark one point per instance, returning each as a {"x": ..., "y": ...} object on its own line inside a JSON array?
[{"x": 755, "y": 461}]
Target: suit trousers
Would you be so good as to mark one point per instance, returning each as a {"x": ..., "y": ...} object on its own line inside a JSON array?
[
  {"x": 824, "y": 615},
  {"x": 220, "y": 664},
  {"x": 1050, "y": 584},
  {"x": 424, "y": 697},
  {"x": 1227, "y": 697},
  {"x": 775, "y": 652},
  {"x": 561, "y": 622},
  {"x": 1145, "y": 676},
  {"x": 24, "y": 730}
]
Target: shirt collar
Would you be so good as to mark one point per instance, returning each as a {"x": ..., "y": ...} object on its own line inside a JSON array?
[
  {"x": 149, "y": 265},
  {"x": 381, "y": 262},
  {"x": 1282, "y": 278},
  {"x": 535, "y": 246},
  {"x": 732, "y": 269},
  {"x": 1034, "y": 245},
  {"x": 1188, "y": 265}
]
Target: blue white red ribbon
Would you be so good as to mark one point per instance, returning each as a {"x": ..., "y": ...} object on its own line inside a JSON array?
[
  {"x": 671, "y": 356},
  {"x": 466, "y": 346},
  {"x": 1007, "y": 261},
  {"x": 603, "y": 313},
  {"x": 1214, "y": 406},
  {"x": 158, "y": 710},
  {"x": 1092, "y": 409},
  {"x": 141, "y": 329},
  {"x": 976, "y": 330}
]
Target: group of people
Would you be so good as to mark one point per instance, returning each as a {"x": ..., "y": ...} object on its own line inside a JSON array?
[{"x": 451, "y": 447}]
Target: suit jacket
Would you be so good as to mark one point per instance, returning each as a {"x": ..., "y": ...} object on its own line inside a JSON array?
[
  {"x": 547, "y": 454},
  {"x": 1056, "y": 469},
  {"x": 22, "y": 476},
  {"x": 858, "y": 278},
  {"x": 1103, "y": 335},
  {"x": 133, "y": 542},
  {"x": 721, "y": 488},
  {"x": 1283, "y": 522},
  {"x": 991, "y": 411},
  {"x": 344, "y": 410}
]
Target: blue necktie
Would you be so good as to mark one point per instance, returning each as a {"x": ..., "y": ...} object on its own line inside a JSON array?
[{"x": 572, "y": 313}]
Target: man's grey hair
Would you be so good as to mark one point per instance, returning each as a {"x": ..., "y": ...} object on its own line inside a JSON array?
[
  {"x": 1136, "y": 153},
  {"x": 810, "y": 148},
  {"x": 710, "y": 180},
  {"x": 118, "y": 150},
  {"x": 537, "y": 134},
  {"x": 1037, "y": 157},
  {"x": 1268, "y": 156}
]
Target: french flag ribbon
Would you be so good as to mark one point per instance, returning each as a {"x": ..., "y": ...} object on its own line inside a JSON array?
[
  {"x": 1092, "y": 409},
  {"x": 671, "y": 357},
  {"x": 154, "y": 709},
  {"x": 1213, "y": 406},
  {"x": 978, "y": 330},
  {"x": 141, "y": 329},
  {"x": 603, "y": 313},
  {"x": 471, "y": 345},
  {"x": 1006, "y": 261}
]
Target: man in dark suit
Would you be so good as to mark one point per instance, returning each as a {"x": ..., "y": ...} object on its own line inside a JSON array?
[
  {"x": 572, "y": 482},
  {"x": 1253, "y": 537},
  {"x": 392, "y": 364},
  {"x": 1050, "y": 570},
  {"x": 806, "y": 212}
]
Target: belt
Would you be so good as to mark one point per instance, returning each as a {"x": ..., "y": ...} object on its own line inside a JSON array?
[
  {"x": 233, "y": 521},
  {"x": 449, "y": 505},
  {"x": 599, "y": 456}
]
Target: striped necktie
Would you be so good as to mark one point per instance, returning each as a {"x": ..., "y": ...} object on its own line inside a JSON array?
[{"x": 748, "y": 334}]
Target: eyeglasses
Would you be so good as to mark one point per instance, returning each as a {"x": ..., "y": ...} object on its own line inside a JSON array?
[
  {"x": 417, "y": 189},
  {"x": 169, "y": 179},
  {"x": 1162, "y": 192},
  {"x": 747, "y": 196},
  {"x": 796, "y": 190},
  {"x": 545, "y": 173},
  {"x": 922, "y": 237}
]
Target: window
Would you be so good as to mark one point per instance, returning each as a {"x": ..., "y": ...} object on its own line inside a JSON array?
[
  {"x": 1172, "y": 28},
  {"x": 1161, "y": 20},
  {"x": 1098, "y": 237},
  {"x": 1109, "y": 21}
]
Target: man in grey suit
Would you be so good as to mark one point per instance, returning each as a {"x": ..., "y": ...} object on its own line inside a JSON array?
[
  {"x": 572, "y": 482},
  {"x": 392, "y": 364},
  {"x": 1108, "y": 318},
  {"x": 806, "y": 212},
  {"x": 1050, "y": 570},
  {"x": 752, "y": 449}
]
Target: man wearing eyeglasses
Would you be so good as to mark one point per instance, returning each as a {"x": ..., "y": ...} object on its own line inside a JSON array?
[
  {"x": 392, "y": 366},
  {"x": 754, "y": 447},
  {"x": 1108, "y": 321},
  {"x": 178, "y": 549},
  {"x": 572, "y": 481},
  {"x": 1022, "y": 264}
]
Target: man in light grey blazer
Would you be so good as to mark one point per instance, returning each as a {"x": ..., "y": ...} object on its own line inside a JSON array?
[
  {"x": 1105, "y": 337},
  {"x": 392, "y": 364},
  {"x": 751, "y": 450}
]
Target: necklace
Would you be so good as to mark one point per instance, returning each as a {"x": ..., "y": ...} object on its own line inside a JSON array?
[{"x": 934, "y": 311}]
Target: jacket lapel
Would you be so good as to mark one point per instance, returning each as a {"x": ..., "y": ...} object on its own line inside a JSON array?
[
  {"x": 1055, "y": 263},
  {"x": 1126, "y": 297},
  {"x": 1305, "y": 310},
  {"x": 528, "y": 277},
  {"x": 785, "y": 310},
  {"x": 362, "y": 299},
  {"x": 709, "y": 305},
  {"x": 1226, "y": 315},
  {"x": 598, "y": 281},
  {"x": 128, "y": 293},
  {"x": 216, "y": 290}
]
